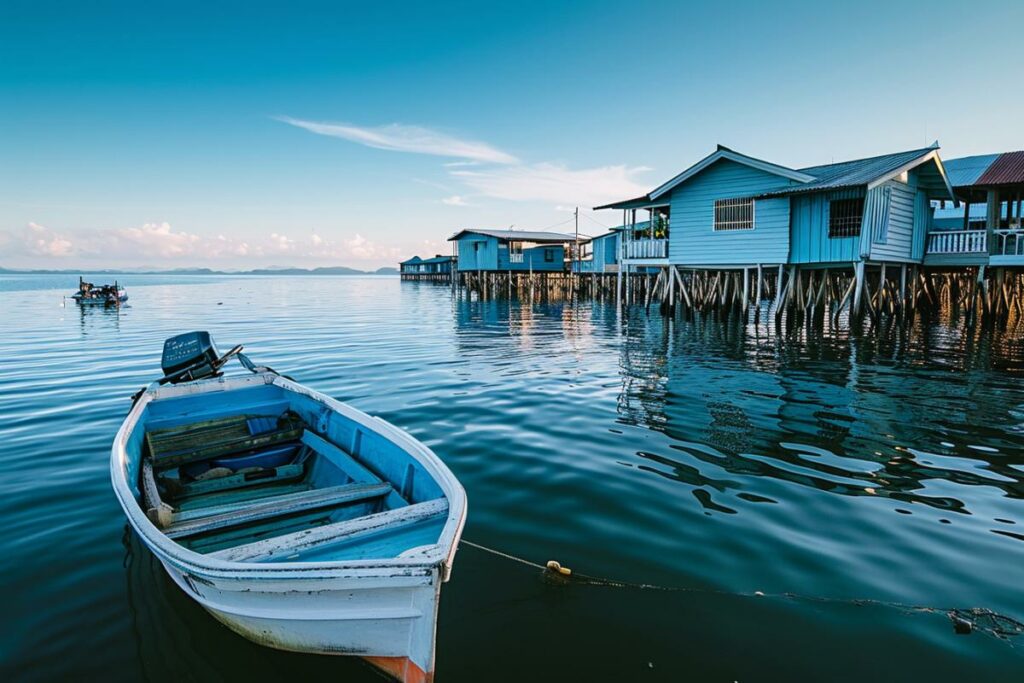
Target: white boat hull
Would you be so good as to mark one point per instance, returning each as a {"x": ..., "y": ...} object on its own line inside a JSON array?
[
  {"x": 388, "y": 618},
  {"x": 382, "y": 610}
]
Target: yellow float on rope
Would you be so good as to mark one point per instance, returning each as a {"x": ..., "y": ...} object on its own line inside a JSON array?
[{"x": 555, "y": 567}]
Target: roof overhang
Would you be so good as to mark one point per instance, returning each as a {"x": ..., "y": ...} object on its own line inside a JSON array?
[
  {"x": 534, "y": 237},
  {"x": 644, "y": 202}
]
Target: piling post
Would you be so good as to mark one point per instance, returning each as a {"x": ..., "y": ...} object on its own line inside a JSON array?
[{"x": 858, "y": 290}]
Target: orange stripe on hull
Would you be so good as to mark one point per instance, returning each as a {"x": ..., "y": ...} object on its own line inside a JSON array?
[{"x": 402, "y": 669}]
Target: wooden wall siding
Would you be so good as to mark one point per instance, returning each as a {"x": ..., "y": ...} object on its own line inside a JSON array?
[
  {"x": 923, "y": 213},
  {"x": 606, "y": 251},
  {"x": 533, "y": 258},
  {"x": 493, "y": 254},
  {"x": 893, "y": 233},
  {"x": 484, "y": 258},
  {"x": 692, "y": 238},
  {"x": 809, "y": 240},
  {"x": 875, "y": 228}
]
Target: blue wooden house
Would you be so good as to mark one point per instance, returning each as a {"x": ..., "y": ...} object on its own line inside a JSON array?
[
  {"x": 733, "y": 211},
  {"x": 411, "y": 266},
  {"x": 599, "y": 254},
  {"x": 439, "y": 264},
  {"x": 437, "y": 268},
  {"x": 512, "y": 250},
  {"x": 988, "y": 229}
]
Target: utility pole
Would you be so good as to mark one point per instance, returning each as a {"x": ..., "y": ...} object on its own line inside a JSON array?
[
  {"x": 576, "y": 254},
  {"x": 576, "y": 215}
]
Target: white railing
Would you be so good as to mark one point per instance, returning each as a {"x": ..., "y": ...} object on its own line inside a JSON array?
[
  {"x": 957, "y": 242},
  {"x": 515, "y": 258},
  {"x": 1009, "y": 242},
  {"x": 646, "y": 249}
]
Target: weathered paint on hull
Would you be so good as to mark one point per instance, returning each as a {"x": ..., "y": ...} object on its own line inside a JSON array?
[{"x": 392, "y": 627}]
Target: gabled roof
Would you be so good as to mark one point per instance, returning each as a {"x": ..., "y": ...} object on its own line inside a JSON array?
[
  {"x": 871, "y": 172},
  {"x": 414, "y": 259},
  {"x": 726, "y": 153},
  {"x": 439, "y": 259},
  {"x": 518, "y": 236}
]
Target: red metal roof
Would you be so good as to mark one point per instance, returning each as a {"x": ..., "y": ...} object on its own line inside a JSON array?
[{"x": 1008, "y": 169}]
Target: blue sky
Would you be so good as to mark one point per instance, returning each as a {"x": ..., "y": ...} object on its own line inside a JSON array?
[{"x": 324, "y": 134}]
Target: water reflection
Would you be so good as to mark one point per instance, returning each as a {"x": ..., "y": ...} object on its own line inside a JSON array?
[{"x": 838, "y": 413}]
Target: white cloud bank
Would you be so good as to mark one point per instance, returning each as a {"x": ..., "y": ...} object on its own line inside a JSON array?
[
  {"x": 401, "y": 138},
  {"x": 140, "y": 245}
]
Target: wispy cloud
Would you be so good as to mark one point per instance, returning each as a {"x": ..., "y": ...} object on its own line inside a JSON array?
[
  {"x": 455, "y": 200},
  {"x": 555, "y": 183},
  {"x": 486, "y": 171},
  {"x": 401, "y": 138}
]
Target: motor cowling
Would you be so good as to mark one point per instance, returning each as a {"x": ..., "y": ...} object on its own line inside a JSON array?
[{"x": 189, "y": 356}]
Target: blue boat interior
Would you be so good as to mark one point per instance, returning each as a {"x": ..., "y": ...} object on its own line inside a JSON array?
[{"x": 264, "y": 474}]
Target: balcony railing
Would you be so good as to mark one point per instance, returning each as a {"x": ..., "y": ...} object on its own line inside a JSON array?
[
  {"x": 642, "y": 249},
  {"x": 957, "y": 242},
  {"x": 1009, "y": 242},
  {"x": 515, "y": 258}
]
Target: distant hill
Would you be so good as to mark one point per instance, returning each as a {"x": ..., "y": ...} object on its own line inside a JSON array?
[{"x": 326, "y": 270}]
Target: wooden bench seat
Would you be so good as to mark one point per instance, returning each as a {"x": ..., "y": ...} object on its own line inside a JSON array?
[
  {"x": 281, "y": 547},
  {"x": 201, "y": 520},
  {"x": 224, "y": 436}
]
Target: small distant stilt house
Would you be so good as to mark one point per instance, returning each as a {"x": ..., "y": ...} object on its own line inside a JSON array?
[
  {"x": 413, "y": 266},
  {"x": 512, "y": 250},
  {"x": 988, "y": 229},
  {"x": 436, "y": 268}
]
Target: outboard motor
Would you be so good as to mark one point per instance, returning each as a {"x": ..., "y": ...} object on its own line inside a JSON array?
[{"x": 191, "y": 356}]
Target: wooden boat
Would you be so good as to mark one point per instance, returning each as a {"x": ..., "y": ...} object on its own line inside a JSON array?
[
  {"x": 296, "y": 520},
  {"x": 89, "y": 294}
]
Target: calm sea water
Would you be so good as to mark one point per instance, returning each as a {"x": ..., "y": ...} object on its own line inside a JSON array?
[{"x": 698, "y": 455}]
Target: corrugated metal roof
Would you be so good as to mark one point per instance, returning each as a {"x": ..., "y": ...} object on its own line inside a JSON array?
[
  {"x": 414, "y": 259},
  {"x": 438, "y": 259},
  {"x": 1008, "y": 169},
  {"x": 965, "y": 171},
  {"x": 519, "y": 236},
  {"x": 852, "y": 173}
]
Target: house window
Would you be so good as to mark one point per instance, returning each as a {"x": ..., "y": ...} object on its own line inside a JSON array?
[
  {"x": 549, "y": 256},
  {"x": 734, "y": 214},
  {"x": 844, "y": 217}
]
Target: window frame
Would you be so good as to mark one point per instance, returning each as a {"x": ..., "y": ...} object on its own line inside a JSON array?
[
  {"x": 832, "y": 234},
  {"x": 715, "y": 208}
]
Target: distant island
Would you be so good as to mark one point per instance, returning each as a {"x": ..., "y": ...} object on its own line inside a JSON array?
[{"x": 328, "y": 270}]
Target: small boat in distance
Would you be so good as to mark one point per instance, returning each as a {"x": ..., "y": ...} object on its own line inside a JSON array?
[
  {"x": 296, "y": 520},
  {"x": 89, "y": 294}
]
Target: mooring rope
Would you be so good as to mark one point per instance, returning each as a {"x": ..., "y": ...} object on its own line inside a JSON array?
[{"x": 965, "y": 620}]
